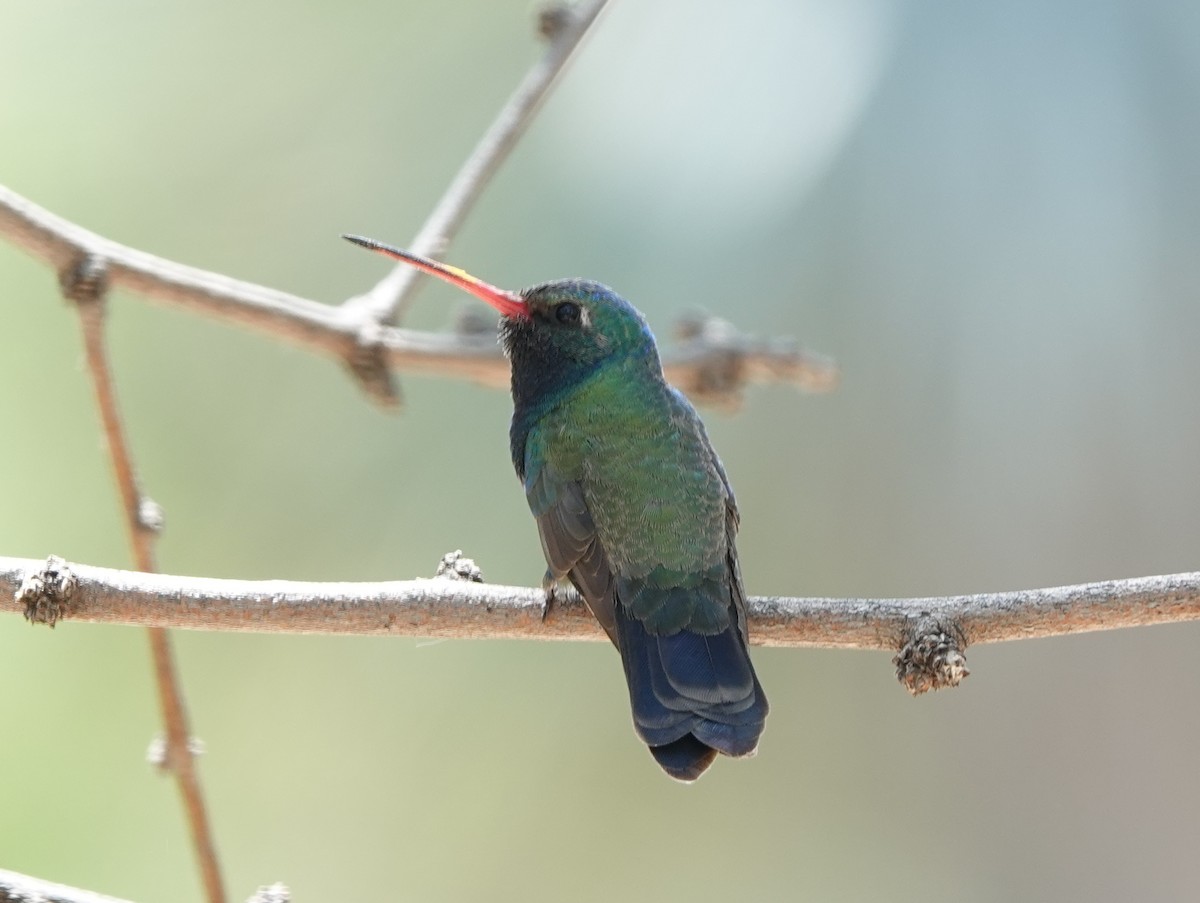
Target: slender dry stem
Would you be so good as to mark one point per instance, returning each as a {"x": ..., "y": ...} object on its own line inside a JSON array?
[{"x": 84, "y": 283}]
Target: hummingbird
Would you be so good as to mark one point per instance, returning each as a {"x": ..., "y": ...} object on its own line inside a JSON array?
[{"x": 632, "y": 506}]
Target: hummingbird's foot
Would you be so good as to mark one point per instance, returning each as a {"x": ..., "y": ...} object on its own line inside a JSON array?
[{"x": 550, "y": 588}]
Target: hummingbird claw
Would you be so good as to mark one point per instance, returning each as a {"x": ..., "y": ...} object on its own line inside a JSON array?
[{"x": 550, "y": 588}]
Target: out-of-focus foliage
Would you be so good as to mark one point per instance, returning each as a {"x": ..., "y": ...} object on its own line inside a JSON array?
[{"x": 987, "y": 212}]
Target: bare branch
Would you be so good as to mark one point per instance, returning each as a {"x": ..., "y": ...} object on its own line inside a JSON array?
[
  {"x": 271, "y": 893},
  {"x": 564, "y": 27},
  {"x": 461, "y": 608},
  {"x": 343, "y": 334},
  {"x": 84, "y": 282},
  {"x": 61, "y": 243},
  {"x": 17, "y": 888}
]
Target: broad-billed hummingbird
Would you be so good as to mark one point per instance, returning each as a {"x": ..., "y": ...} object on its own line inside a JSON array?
[{"x": 632, "y": 506}]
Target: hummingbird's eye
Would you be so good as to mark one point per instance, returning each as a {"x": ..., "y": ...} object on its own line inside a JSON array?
[{"x": 567, "y": 313}]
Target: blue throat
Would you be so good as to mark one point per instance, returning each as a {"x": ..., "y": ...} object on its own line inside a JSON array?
[{"x": 540, "y": 383}]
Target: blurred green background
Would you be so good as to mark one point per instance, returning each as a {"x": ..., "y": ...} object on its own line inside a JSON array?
[{"x": 988, "y": 213}]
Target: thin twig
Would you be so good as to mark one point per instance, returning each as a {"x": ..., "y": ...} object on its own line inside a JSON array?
[
  {"x": 457, "y": 608},
  {"x": 17, "y": 888},
  {"x": 337, "y": 333},
  {"x": 84, "y": 282},
  {"x": 390, "y": 298}
]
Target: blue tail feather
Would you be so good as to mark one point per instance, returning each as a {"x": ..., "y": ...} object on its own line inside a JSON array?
[
  {"x": 685, "y": 759},
  {"x": 693, "y": 695}
]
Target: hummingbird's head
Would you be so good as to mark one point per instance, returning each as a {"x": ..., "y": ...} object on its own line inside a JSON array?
[
  {"x": 561, "y": 330},
  {"x": 573, "y": 324}
]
